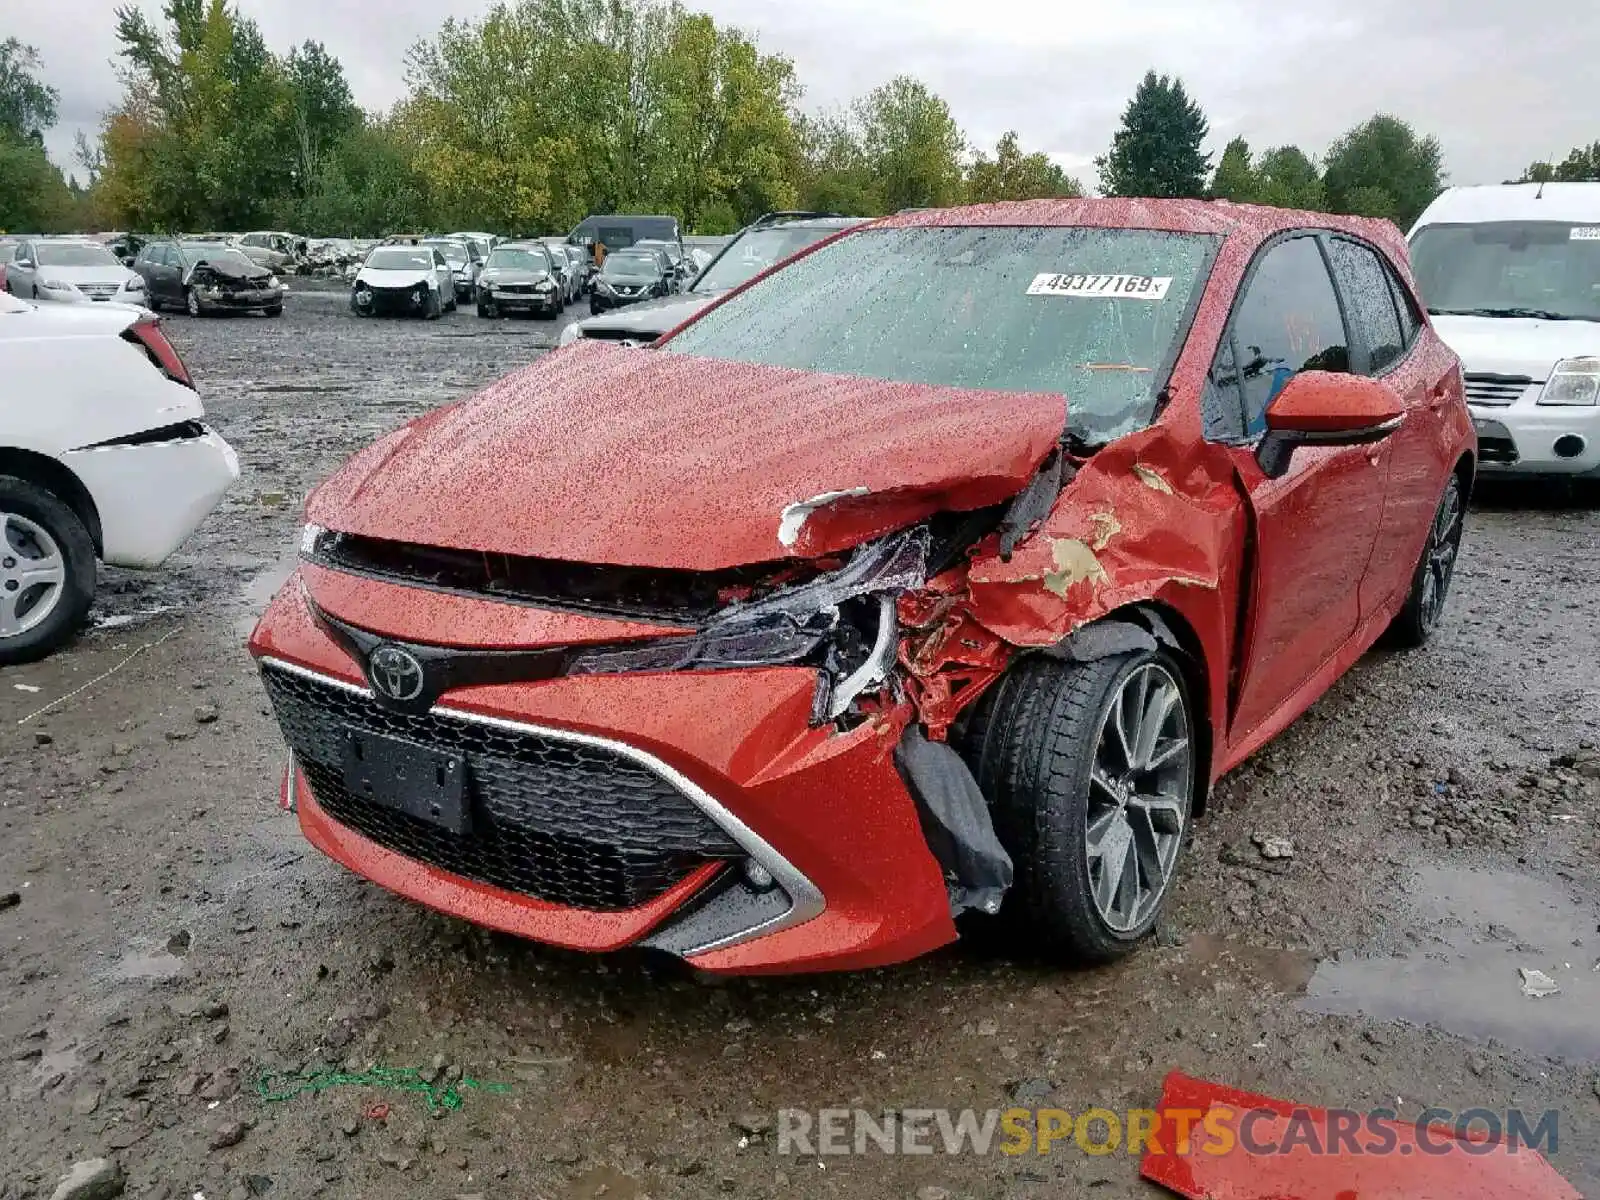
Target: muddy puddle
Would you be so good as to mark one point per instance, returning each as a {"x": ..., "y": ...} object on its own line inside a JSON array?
[{"x": 1482, "y": 929}]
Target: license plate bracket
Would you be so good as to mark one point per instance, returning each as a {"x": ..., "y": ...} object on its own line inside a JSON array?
[{"x": 425, "y": 784}]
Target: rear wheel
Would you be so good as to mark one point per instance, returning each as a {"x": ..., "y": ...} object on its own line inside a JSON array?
[
  {"x": 1089, "y": 769},
  {"x": 1430, "y": 582},
  {"x": 47, "y": 571}
]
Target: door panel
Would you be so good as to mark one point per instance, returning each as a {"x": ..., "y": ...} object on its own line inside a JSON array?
[
  {"x": 1316, "y": 525},
  {"x": 1429, "y": 382},
  {"x": 1314, "y": 533}
]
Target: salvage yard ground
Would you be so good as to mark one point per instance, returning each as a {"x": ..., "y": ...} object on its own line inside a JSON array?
[{"x": 1349, "y": 929}]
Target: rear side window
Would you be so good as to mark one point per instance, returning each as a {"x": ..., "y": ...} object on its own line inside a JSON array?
[
  {"x": 1370, "y": 302},
  {"x": 1289, "y": 321},
  {"x": 1410, "y": 318}
]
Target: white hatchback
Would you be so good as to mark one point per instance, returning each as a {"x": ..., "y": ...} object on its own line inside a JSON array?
[
  {"x": 1511, "y": 277},
  {"x": 104, "y": 454}
]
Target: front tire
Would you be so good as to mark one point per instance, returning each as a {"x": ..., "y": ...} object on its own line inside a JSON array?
[
  {"x": 1089, "y": 769},
  {"x": 47, "y": 571},
  {"x": 191, "y": 303},
  {"x": 1430, "y": 582},
  {"x": 275, "y": 311},
  {"x": 487, "y": 310}
]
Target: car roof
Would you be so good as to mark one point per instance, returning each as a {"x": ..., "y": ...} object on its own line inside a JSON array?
[
  {"x": 1254, "y": 223},
  {"x": 1515, "y": 202}
]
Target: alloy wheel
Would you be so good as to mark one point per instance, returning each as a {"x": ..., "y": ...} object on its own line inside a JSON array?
[
  {"x": 1439, "y": 557},
  {"x": 33, "y": 574},
  {"x": 1140, "y": 786},
  {"x": 192, "y": 302}
]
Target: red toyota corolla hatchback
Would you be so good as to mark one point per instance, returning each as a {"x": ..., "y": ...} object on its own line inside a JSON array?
[{"x": 942, "y": 568}]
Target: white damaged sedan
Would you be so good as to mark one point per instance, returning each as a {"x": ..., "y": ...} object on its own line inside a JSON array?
[{"x": 104, "y": 454}]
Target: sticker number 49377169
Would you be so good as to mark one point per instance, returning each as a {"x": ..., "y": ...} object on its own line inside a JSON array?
[{"x": 1115, "y": 287}]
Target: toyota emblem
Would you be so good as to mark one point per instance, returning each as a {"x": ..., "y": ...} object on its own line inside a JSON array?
[{"x": 396, "y": 674}]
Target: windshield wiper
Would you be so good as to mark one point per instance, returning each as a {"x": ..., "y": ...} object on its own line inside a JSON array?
[{"x": 1537, "y": 314}]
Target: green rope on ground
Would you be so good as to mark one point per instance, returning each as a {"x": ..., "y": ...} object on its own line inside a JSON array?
[{"x": 275, "y": 1087}]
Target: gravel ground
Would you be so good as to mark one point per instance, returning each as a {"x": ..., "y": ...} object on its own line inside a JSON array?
[{"x": 174, "y": 938}]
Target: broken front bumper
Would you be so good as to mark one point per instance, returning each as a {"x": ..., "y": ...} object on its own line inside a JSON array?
[
  {"x": 151, "y": 496},
  {"x": 763, "y": 845}
]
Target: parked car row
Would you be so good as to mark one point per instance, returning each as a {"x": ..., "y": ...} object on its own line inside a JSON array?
[{"x": 650, "y": 310}]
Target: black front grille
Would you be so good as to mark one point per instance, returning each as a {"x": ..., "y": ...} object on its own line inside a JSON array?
[
  {"x": 667, "y": 595},
  {"x": 636, "y": 334},
  {"x": 569, "y": 823},
  {"x": 1498, "y": 391}
]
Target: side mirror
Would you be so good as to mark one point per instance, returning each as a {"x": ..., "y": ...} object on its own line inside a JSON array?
[{"x": 1319, "y": 408}]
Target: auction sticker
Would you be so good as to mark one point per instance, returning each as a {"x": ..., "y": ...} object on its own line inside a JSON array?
[
  {"x": 1116, "y": 287},
  {"x": 1586, "y": 233}
]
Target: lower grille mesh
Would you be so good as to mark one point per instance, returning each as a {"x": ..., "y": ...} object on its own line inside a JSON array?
[{"x": 572, "y": 824}]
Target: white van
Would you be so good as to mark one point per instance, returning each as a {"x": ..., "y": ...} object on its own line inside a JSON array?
[{"x": 1511, "y": 276}]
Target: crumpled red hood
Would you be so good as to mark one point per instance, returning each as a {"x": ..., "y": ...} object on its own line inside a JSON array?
[{"x": 635, "y": 457}]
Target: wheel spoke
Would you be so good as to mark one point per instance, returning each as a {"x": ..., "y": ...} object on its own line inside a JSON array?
[
  {"x": 1119, "y": 723},
  {"x": 1147, "y": 851},
  {"x": 1098, "y": 778},
  {"x": 1126, "y": 902},
  {"x": 49, "y": 569},
  {"x": 1112, "y": 850},
  {"x": 10, "y": 623},
  {"x": 1152, "y": 720},
  {"x": 1165, "y": 754},
  {"x": 1165, "y": 812}
]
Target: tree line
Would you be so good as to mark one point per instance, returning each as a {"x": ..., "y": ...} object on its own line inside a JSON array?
[{"x": 544, "y": 111}]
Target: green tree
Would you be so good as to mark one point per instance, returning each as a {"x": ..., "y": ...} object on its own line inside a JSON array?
[
  {"x": 212, "y": 107},
  {"x": 1582, "y": 165},
  {"x": 322, "y": 111},
  {"x": 33, "y": 194},
  {"x": 1236, "y": 176},
  {"x": 1013, "y": 175},
  {"x": 912, "y": 144},
  {"x": 27, "y": 106},
  {"x": 1286, "y": 178},
  {"x": 1381, "y": 168},
  {"x": 834, "y": 173},
  {"x": 1157, "y": 150}
]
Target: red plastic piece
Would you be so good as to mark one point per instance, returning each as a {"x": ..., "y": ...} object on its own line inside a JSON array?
[{"x": 1305, "y": 1166}]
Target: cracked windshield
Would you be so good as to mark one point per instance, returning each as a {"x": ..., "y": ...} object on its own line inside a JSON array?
[{"x": 655, "y": 599}]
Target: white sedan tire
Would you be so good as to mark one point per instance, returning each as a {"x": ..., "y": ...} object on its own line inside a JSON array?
[{"x": 47, "y": 571}]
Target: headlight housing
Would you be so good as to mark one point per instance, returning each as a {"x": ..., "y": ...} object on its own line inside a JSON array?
[
  {"x": 544, "y": 285},
  {"x": 1573, "y": 381},
  {"x": 55, "y": 285},
  {"x": 310, "y": 534},
  {"x": 274, "y": 283},
  {"x": 569, "y": 335},
  {"x": 133, "y": 285}
]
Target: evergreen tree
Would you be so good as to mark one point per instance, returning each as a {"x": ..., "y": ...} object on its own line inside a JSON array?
[
  {"x": 1236, "y": 177},
  {"x": 1157, "y": 150}
]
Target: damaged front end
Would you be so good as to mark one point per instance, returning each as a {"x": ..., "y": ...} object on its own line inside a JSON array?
[{"x": 905, "y": 632}]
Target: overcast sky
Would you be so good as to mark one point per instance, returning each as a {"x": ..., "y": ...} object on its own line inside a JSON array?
[{"x": 1499, "y": 83}]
